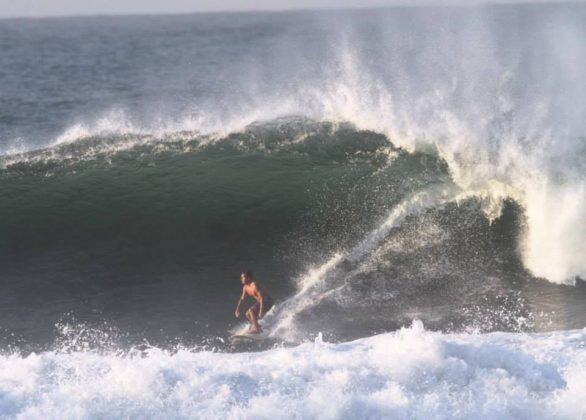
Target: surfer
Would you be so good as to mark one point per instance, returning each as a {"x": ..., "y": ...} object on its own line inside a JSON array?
[{"x": 263, "y": 301}]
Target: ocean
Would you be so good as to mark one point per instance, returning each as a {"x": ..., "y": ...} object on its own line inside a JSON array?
[{"x": 407, "y": 183}]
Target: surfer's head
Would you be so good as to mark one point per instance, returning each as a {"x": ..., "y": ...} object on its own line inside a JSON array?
[{"x": 245, "y": 276}]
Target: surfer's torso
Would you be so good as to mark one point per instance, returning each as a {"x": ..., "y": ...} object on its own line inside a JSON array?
[{"x": 254, "y": 291}]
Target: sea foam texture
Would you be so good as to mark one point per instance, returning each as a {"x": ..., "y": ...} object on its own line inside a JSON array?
[{"x": 411, "y": 373}]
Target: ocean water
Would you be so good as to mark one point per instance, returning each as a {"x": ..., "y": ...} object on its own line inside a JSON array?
[{"x": 407, "y": 183}]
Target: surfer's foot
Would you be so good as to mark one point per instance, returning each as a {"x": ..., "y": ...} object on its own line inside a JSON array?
[{"x": 253, "y": 330}]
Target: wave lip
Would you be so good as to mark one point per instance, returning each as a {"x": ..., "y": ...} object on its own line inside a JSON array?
[{"x": 411, "y": 373}]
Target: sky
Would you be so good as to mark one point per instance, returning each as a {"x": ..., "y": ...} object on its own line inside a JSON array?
[{"x": 41, "y": 8}]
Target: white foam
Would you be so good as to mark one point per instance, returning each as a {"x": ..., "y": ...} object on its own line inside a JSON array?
[
  {"x": 554, "y": 243},
  {"x": 410, "y": 373}
]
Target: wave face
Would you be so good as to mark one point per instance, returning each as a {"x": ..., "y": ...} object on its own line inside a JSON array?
[
  {"x": 407, "y": 374},
  {"x": 144, "y": 237}
]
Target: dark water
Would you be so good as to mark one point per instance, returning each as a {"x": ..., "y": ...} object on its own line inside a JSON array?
[{"x": 146, "y": 162}]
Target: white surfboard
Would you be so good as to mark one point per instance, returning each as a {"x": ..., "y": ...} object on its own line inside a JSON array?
[{"x": 248, "y": 337}]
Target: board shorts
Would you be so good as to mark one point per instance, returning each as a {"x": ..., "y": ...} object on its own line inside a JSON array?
[{"x": 268, "y": 304}]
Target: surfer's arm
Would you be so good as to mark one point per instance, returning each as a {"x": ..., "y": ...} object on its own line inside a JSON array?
[
  {"x": 261, "y": 310},
  {"x": 237, "y": 311}
]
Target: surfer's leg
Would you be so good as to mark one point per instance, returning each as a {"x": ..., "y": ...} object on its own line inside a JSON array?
[{"x": 252, "y": 315}]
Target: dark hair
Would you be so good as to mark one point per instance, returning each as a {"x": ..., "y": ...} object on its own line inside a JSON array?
[{"x": 247, "y": 273}]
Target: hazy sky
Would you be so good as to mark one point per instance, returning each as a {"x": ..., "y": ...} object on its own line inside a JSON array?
[{"x": 11, "y": 8}]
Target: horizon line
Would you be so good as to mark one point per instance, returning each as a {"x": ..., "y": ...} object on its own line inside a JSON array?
[{"x": 402, "y": 5}]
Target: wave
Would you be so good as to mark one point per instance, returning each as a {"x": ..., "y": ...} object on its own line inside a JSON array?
[
  {"x": 371, "y": 234},
  {"x": 540, "y": 172},
  {"x": 411, "y": 373},
  {"x": 98, "y": 182},
  {"x": 491, "y": 91},
  {"x": 380, "y": 167}
]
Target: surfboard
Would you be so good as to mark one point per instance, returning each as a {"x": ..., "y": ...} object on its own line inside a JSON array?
[{"x": 248, "y": 337}]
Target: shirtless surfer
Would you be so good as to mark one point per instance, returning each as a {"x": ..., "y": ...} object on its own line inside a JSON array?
[{"x": 263, "y": 301}]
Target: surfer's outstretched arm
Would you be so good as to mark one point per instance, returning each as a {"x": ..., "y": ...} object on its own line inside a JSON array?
[{"x": 237, "y": 311}]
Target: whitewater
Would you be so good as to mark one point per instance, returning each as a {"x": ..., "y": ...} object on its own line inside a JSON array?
[{"x": 411, "y": 373}]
